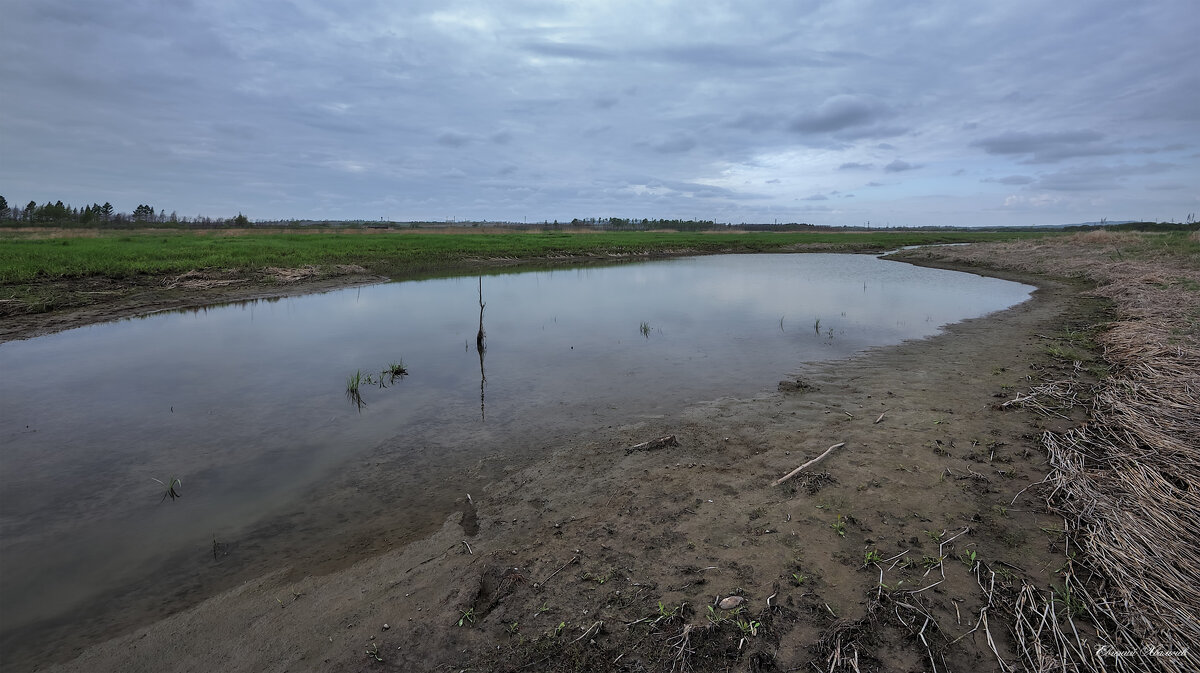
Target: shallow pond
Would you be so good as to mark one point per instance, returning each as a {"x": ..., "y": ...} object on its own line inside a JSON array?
[{"x": 247, "y": 403}]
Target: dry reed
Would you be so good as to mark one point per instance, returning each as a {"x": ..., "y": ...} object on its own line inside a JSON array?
[{"x": 1127, "y": 482}]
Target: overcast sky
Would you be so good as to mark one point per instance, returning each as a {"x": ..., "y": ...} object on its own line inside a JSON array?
[{"x": 908, "y": 113}]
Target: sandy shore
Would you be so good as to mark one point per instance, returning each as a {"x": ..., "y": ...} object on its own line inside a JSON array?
[{"x": 601, "y": 558}]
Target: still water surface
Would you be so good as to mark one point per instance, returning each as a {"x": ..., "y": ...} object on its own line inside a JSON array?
[{"x": 246, "y": 403}]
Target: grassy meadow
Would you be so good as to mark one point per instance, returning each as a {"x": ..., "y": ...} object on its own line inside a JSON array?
[{"x": 28, "y": 256}]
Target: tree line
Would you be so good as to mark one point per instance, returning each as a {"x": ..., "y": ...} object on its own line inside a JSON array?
[
  {"x": 105, "y": 214},
  {"x": 634, "y": 224}
]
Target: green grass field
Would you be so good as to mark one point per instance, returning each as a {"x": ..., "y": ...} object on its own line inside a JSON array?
[{"x": 29, "y": 257}]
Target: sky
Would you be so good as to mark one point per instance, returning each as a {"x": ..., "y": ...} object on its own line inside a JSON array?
[{"x": 843, "y": 113}]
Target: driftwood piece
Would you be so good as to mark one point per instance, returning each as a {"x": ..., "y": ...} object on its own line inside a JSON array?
[
  {"x": 814, "y": 461},
  {"x": 659, "y": 443}
]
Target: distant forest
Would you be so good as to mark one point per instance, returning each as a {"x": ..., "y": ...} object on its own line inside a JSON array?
[
  {"x": 98, "y": 215},
  {"x": 1190, "y": 225},
  {"x": 106, "y": 216}
]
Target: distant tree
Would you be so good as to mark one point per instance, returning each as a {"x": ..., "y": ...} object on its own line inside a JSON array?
[
  {"x": 143, "y": 213},
  {"x": 4, "y": 210},
  {"x": 52, "y": 212},
  {"x": 241, "y": 221},
  {"x": 107, "y": 211},
  {"x": 30, "y": 210}
]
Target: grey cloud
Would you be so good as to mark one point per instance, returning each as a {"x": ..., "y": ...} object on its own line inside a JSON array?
[
  {"x": 814, "y": 208},
  {"x": 220, "y": 105},
  {"x": 674, "y": 145},
  {"x": 1097, "y": 178},
  {"x": 840, "y": 113},
  {"x": 1011, "y": 180},
  {"x": 899, "y": 166},
  {"x": 236, "y": 130},
  {"x": 580, "y": 52},
  {"x": 453, "y": 139},
  {"x": 725, "y": 55},
  {"x": 755, "y": 121},
  {"x": 695, "y": 190},
  {"x": 324, "y": 121},
  {"x": 719, "y": 55},
  {"x": 816, "y": 197},
  {"x": 1046, "y": 147},
  {"x": 871, "y": 132}
]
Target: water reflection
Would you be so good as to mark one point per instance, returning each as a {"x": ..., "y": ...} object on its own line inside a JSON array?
[{"x": 481, "y": 347}]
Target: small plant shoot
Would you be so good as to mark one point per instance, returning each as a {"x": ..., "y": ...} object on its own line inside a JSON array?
[{"x": 171, "y": 487}]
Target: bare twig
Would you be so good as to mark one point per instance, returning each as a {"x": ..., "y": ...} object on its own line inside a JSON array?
[
  {"x": 596, "y": 626},
  {"x": 573, "y": 560},
  {"x": 659, "y": 443},
  {"x": 814, "y": 461}
]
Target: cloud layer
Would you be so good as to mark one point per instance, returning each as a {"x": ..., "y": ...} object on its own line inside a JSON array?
[{"x": 952, "y": 113}]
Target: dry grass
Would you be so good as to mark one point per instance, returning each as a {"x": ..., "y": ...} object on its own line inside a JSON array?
[{"x": 1128, "y": 481}]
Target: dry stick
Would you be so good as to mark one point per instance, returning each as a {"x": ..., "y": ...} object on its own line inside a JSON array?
[
  {"x": 669, "y": 440},
  {"x": 880, "y": 417},
  {"x": 589, "y": 630},
  {"x": 798, "y": 470},
  {"x": 573, "y": 559}
]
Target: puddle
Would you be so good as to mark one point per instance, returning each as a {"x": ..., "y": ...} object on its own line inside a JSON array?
[{"x": 246, "y": 404}]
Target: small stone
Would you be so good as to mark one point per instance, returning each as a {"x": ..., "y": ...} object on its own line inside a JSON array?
[
  {"x": 730, "y": 602},
  {"x": 386, "y": 627}
]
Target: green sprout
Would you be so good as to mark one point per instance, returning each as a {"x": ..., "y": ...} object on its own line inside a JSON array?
[
  {"x": 839, "y": 526},
  {"x": 468, "y": 615}
]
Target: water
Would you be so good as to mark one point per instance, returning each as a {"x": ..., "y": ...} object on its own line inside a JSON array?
[{"x": 246, "y": 403}]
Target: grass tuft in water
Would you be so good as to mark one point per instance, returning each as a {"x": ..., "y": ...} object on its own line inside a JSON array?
[
  {"x": 395, "y": 370},
  {"x": 171, "y": 486},
  {"x": 352, "y": 392}
]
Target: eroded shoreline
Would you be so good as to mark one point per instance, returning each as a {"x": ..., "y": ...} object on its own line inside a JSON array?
[{"x": 592, "y": 478}]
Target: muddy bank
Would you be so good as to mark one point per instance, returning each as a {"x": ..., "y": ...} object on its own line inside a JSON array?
[
  {"x": 599, "y": 558},
  {"x": 87, "y": 301}
]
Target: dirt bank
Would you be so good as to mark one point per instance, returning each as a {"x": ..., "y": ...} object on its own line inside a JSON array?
[
  {"x": 898, "y": 551},
  {"x": 86, "y": 301}
]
